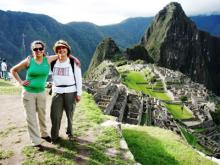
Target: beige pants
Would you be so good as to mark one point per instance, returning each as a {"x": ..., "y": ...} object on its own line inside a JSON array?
[{"x": 35, "y": 103}]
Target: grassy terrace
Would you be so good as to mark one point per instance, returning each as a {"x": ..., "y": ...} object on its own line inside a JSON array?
[
  {"x": 156, "y": 146},
  {"x": 177, "y": 112},
  {"x": 134, "y": 79}
]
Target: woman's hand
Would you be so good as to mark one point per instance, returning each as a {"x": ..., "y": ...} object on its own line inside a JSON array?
[
  {"x": 77, "y": 99},
  {"x": 24, "y": 83}
]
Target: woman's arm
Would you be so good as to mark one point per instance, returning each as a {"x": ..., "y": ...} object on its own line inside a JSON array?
[
  {"x": 51, "y": 58},
  {"x": 17, "y": 68},
  {"x": 76, "y": 60}
]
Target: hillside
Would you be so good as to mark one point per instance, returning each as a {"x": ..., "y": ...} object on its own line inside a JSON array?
[
  {"x": 94, "y": 142},
  {"x": 83, "y": 36}
]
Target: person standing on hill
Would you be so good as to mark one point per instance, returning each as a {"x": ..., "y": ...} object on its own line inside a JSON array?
[
  {"x": 33, "y": 95},
  {"x": 67, "y": 88},
  {"x": 4, "y": 69}
]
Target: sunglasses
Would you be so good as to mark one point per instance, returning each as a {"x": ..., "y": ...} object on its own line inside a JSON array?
[
  {"x": 36, "y": 49},
  {"x": 61, "y": 47}
]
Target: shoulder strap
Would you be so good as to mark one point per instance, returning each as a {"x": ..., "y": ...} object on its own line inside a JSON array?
[
  {"x": 52, "y": 65},
  {"x": 73, "y": 68},
  {"x": 72, "y": 64}
]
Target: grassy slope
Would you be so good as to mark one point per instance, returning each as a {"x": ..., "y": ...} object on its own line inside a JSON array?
[
  {"x": 8, "y": 88},
  {"x": 133, "y": 77},
  {"x": 152, "y": 145},
  {"x": 177, "y": 112}
]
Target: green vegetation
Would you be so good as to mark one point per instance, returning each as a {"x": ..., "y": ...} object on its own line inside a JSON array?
[
  {"x": 7, "y": 131},
  {"x": 87, "y": 122},
  {"x": 7, "y": 87},
  {"x": 177, "y": 111},
  {"x": 134, "y": 80},
  {"x": 152, "y": 145},
  {"x": 144, "y": 119},
  {"x": 5, "y": 154},
  {"x": 193, "y": 141}
]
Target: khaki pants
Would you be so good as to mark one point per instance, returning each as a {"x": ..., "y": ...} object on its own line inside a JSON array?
[{"x": 35, "y": 103}]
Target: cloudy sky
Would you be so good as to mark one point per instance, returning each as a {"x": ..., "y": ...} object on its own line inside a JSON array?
[{"x": 103, "y": 12}]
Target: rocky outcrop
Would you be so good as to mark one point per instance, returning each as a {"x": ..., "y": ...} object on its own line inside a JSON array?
[
  {"x": 106, "y": 50},
  {"x": 138, "y": 52},
  {"x": 174, "y": 41}
]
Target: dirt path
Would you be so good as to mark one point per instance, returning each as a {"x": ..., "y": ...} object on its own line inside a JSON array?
[{"x": 13, "y": 131}]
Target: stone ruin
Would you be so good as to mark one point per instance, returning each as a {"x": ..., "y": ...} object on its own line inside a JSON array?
[{"x": 114, "y": 99}]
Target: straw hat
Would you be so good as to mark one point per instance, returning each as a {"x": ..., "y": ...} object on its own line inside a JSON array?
[{"x": 61, "y": 43}]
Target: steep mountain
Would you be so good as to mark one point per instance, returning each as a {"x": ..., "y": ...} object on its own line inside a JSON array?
[
  {"x": 106, "y": 50},
  {"x": 174, "y": 41}
]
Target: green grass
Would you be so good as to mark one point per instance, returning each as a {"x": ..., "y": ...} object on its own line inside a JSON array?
[
  {"x": 156, "y": 146},
  {"x": 130, "y": 79},
  {"x": 191, "y": 139},
  {"x": 88, "y": 115},
  {"x": 108, "y": 139},
  {"x": 177, "y": 112},
  {"x": 6, "y": 132},
  {"x": 5, "y": 154},
  {"x": 7, "y": 87}
]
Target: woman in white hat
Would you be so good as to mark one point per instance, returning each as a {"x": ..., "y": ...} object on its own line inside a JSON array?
[{"x": 67, "y": 88}]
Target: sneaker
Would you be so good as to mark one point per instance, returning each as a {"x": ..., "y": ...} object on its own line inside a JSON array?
[
  {"x": 39, "y": 147},
  {"x": 47, "y": 138},
  {"x": 70, "y": 137}
]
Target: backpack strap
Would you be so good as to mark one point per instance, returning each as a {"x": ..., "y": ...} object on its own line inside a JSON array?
[
  {"x": 73, "y": 68},
  {"x": 52, "y": 65}
]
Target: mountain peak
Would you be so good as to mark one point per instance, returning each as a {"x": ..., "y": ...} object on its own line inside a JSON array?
[
  {"x": 174, "y": 6},
  {"x": 106, "y": 50},
  {"x": 173, "y": 9}
]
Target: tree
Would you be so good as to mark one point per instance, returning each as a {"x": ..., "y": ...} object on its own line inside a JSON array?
[{"x": 183, "y": 99}]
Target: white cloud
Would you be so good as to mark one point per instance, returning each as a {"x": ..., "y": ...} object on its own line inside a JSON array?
[{"x": 104, "y": 11}]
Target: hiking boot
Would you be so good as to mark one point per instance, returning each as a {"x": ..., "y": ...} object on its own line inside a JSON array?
[
  {"x": 70, "y": 137},
  {"x": 47, "y": 138},
  {"x": 55, "y": 141},
  {"x": 39, "y": 147}
]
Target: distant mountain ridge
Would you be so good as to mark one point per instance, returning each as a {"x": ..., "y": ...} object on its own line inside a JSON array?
[{"x": 83, "y": 36}]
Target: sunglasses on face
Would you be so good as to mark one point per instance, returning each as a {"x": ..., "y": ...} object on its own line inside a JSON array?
[{"x": 36, "y": 49}]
